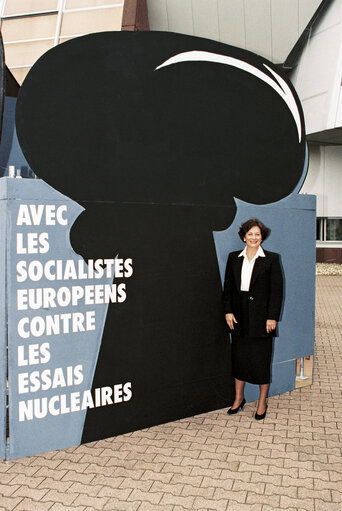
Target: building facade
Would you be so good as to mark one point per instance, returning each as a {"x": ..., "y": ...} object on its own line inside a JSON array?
[{"x": 271, "y": 28}]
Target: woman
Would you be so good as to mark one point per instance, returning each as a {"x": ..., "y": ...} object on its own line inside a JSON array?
[{"x": 253, "y": 294}]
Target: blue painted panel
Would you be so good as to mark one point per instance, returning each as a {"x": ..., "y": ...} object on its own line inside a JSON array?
[
  {"x": 283, "y": 377},
  {"x": 293, "y": 225},
  {"x": 3, "y": 330},
  {"x": 59, "y": 427},
  {"x": 10, "y": 150},
  {"x": 283, "y": 380}
]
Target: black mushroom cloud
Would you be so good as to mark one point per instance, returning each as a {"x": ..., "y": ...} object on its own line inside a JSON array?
[{"x": 155, "y": 134}]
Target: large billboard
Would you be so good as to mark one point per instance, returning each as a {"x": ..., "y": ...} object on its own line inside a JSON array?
[{"x": 143, "y": 143}]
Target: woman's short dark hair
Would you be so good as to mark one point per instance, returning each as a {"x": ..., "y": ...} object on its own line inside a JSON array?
[{"x": 254, "y": 222}]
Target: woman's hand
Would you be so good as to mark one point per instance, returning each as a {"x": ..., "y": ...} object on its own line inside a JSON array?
[
  {"x": 270, "y": 325},
  {"x": 230, "y": 318}
]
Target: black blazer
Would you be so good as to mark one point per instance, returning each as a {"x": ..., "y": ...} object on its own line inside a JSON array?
[{"x": 265, "y": 293}]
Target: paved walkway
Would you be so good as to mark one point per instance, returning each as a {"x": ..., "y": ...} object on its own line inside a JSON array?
[{"x": 210, "y": 462}]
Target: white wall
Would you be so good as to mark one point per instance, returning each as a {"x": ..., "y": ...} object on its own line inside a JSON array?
[
  {"x": 268, "y": 27},
  {"x": 324, "y": 179},
  {"x": 333, "y": 181},
  {"x": 317, "y": 78}
]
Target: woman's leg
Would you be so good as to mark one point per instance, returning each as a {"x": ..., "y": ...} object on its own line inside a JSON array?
[
  {"x": 262, "y": 398},
  {"x": 239, "y": 388}
]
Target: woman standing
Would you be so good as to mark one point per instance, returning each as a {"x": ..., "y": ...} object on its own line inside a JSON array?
[{"x": 253, "y": 295}]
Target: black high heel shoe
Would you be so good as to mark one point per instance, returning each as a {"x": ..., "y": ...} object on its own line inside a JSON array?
[
  {"x": 261, "y": 416},
  {"x": 232, "y": 411}
]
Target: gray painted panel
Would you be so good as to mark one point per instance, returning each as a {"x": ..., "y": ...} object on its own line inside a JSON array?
[
  {"x": 14, "y": 188},
  {"x": 293, "y": 225},
  {"x": 232, "y": 22},
  {"x": 179, "y": 13},
  {"x": 3, "y": 330},
  {"x": 330, "y": 18},
  {"x": 68, "y": 349},
  {"x": 157, "y": 14},
  {"x": 306, "y": 10},
  {"x": 315, "y": 113},
  {"x": 283, "y": 380},
  {"x": 284, "y": 28},
  {"x": 205, "y": 15},
  {"x": 338, "y": 121},
  {"x": 258, "y": 27},
  {"x": 317, "y": 82},
  {"x": 321, "y": 63},
  {"x": 10, "y": 150}
]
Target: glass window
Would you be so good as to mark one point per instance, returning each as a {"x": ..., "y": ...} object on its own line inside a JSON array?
[
  {"x": 334, "y": 229},
  {"x": 65, "y": 38},
  {"x": 20, "y": 74},
  {"x": 85, "y": 22},
  {"x": 28, "y": 6},
  {"x": 25, "y": 54},
  {"x": 78, "y": 4},
  {"x": 319, "y": 229},
  {"x": 29, "y": 28}
]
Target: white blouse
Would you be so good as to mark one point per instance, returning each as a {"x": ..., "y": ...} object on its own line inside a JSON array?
[{"x": 247, "y": 267}]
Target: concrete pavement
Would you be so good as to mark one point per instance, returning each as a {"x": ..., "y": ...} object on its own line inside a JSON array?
[{"x": 210, "y": 462}]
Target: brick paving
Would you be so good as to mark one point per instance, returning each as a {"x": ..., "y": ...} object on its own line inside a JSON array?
[{"x": 210, "y": 462}]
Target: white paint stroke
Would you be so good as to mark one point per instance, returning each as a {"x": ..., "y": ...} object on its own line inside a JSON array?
[{"x": 278, "y": 83}]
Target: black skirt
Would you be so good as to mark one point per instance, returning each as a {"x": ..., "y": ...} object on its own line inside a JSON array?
[{"x": 251, "y": 356}]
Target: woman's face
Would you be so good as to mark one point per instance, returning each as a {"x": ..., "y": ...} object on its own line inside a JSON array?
[{"x": 253, "y": 237}]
